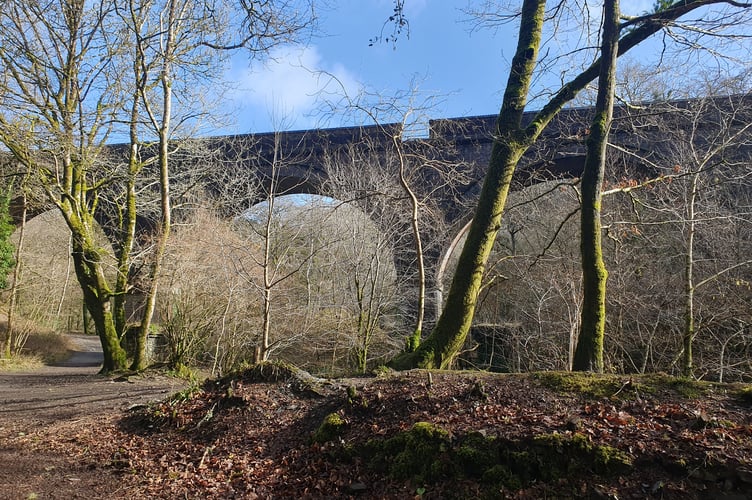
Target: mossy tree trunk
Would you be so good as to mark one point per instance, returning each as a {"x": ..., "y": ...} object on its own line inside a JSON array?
[
  {"x": 447, "y": 337},
  {"x": 689, "y": 282},
  {"x": 588, "y": 355},
  {"x": 56, "y": 129},
  {"x": 512, "y": 140},
  {"x": 90, "y": 271},
  {"x": 127, "y": 221}
]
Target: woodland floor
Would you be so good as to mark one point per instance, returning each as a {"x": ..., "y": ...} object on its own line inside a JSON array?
[{"x": 66, "y": 432}]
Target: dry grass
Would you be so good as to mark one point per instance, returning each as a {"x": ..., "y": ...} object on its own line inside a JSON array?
[{"x": 40, "y": 348}]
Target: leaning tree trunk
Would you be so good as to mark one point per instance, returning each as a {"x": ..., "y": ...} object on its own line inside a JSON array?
[
  {"x": 450, "y": 331},
  {"x": 589, "y": 353}
]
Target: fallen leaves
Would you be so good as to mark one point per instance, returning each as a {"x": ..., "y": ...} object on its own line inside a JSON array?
[{"x": 254, "y": 441}]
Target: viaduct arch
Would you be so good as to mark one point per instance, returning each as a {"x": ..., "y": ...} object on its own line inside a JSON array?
[{"x": 301, "y": 162}]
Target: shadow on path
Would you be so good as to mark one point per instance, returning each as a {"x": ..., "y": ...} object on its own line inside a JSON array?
[
  {"x": 81, "y": 359},
  {"x": 73, "y": 388},
  {"x": 87, "y": 352}
]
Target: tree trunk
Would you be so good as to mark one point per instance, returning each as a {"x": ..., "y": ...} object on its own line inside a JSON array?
[
  {"x": 13, "y": 302},
  {"x": 97, "y": 298},
  {"x": 413, "y": 340},
  {"x": 127, "y": 229},
  {"x": 589, "y": 353},
  {"x": 689, "y": 284},
  {"x": 162, "y": 127},
  {"x": 447, "y": 337}
]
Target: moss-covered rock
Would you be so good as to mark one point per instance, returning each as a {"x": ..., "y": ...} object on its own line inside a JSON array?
[
  {"x": 330, "y": 429},
  {"x": 422, "y": 453},
  {"x": 691, "y": 389},
  {"x": 585, "y": 383},
  {"x": 477, "y": 453},
  {"x": 427, "y": 452},
  {"x": 744, "y": 394}
]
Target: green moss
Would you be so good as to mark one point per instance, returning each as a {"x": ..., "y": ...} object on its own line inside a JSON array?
[
  {"x": 426, "y": 452},
  {"x": 477, "y": 453},
  {"x": 420, "y": 453},
  {"x": 585, "y": 383},
  {"x": 745, "y": 394},
  {"x": 608, "y": 460},
  {"x": 690, "y": 389},
  {"x": 330, "y": 429},
  {"x": 606, "y": 386},
  {"x": 554, "y": 456},
  {"x": 381, "y": 371},
  {"x": 501, "y": 475}
]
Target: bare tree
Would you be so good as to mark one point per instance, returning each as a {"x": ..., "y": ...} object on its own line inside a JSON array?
[
  {"x": 174, "y": 44},
  {"x": 415, "y": 168},
  {"x": 512, "y": 139},
  {"x": 65, "y": 92},
  {"x": 59, "y": 108},
  {"x": 703, "y": 160}
]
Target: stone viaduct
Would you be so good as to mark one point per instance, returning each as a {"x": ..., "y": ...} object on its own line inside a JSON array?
[
  {"x": 449, "y": 161},
  {"x": 302, "y": 162},
  {"x": 446, "y": 167}
]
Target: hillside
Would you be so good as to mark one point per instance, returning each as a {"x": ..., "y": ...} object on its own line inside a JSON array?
[{"x": 259, "y": 434}]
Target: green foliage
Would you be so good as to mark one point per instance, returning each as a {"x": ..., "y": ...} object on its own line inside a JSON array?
[{"x": 7, "y": 249}]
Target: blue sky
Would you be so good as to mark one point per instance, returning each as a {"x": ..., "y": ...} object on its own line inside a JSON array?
[{"x": 464, "y": 69}]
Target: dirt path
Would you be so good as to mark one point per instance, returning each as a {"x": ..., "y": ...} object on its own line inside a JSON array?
[
  {"x": 54, "y": 403},
  {"x": 73, "y": 388}
]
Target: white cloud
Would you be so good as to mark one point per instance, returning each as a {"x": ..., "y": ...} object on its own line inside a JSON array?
[{"x": 285, "y": 90}]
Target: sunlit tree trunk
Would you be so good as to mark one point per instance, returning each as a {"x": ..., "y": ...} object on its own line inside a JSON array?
[
  {"x": 413, "y": 340},
  {"x": 17, "y": 270},
  {"x": 162, "y": 125},
  {"x": 589, "y": 353},
  {"x": 447, "y": 337}
]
